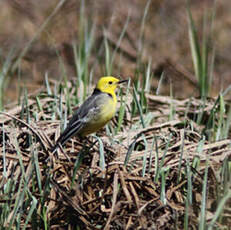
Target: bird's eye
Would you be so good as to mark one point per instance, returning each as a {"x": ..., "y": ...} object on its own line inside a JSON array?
[{"x": 110, "y": 82}]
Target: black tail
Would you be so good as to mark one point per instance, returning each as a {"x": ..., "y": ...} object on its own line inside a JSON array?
[{"x": 69, "y": 132}]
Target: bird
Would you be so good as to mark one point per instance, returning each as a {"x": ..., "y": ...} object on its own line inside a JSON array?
[{"x": 95, "y": 112}]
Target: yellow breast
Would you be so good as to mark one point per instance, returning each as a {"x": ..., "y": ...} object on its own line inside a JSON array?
[{"x": 106, "y": 113}]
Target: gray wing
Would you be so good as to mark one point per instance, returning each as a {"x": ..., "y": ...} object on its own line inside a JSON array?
[{"x": 80, "y": 118}]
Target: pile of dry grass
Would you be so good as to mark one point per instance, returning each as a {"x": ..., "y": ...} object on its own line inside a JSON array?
[{"x": 119, "y": 196}]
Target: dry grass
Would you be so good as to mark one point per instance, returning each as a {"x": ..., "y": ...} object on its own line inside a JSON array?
[{"x": 149, "y": 191}]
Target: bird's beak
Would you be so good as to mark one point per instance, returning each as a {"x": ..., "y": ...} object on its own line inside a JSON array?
[{"x": 122, "y": 81}]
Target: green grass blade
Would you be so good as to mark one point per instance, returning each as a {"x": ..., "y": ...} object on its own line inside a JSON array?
[
  {"x": 227, "y": 123},
  {"x": 108, "y": 63},
  {"x": 77, "y": 164},
  {"x": 37, "y": 169},
  {"x": 157, "y": 168},
  {"x": 40, "y": 108},
  {"x": 202, "y": 220},
  {"x": 186, "y": 215},
  {"x": 150, "y": 154},
  {"x": 31, "y": 210},
  {"x": 219, "y": 210},
  {"x": 172, "y": 106},
  {"x": 163, "y": 174},
  {"x": 148, "y": 77},
  {"x": 129, "y": 152},
  {"x": 160, "y": 167},
  {"x": 49, "y": 92},
  {"x": 4, "y": 75},
  {"x": 160, "y": 83},
  {"x": 144, "y": 156},
  {"x": 165, "y": 151},
  {"x": 194, "y": 45},
  {"x": 204, "y": 59},
  {"x": 4, "y": 150},
  {"x": 220, "y": 129},
  {"x": 139, "y": 107},
  {"x": 181, "y": 156},
  {"x": 122, "y": 108}
]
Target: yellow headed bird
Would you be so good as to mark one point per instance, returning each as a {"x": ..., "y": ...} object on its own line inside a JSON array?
[{"x": 94, "y": 113}]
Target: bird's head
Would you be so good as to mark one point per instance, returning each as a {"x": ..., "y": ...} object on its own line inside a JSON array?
[{"x": 109, "y": 84}]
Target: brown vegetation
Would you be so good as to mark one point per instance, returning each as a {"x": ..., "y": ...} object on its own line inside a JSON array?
[{"x": 121, "y": 195}]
